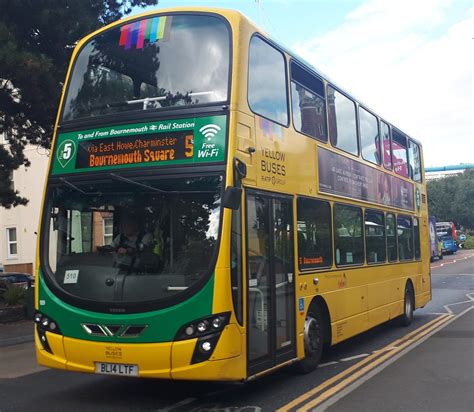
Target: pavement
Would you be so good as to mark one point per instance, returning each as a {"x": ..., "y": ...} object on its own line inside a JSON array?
[
  {"x": 437, "y": 375},
  {"x": 16, "y": 332}
]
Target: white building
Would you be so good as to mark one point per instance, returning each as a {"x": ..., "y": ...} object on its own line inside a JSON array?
[{"x": 18, "y": 225}]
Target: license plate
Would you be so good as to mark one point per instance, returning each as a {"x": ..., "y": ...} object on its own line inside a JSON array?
[{"x": 116, "y": 369}]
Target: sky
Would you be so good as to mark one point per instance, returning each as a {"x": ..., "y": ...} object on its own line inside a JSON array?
[{"x": 410, "y": 61}]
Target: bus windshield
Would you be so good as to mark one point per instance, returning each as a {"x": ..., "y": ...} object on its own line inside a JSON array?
[
  {"x": 149, "y": 64},
  {"x": 119, "y": 240}
]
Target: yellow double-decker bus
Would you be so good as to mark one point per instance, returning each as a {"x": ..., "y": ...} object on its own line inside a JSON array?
[{"x": 215, "y": 208}]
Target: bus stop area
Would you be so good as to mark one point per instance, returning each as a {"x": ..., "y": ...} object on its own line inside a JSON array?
[{"x": 428, "y": 378}]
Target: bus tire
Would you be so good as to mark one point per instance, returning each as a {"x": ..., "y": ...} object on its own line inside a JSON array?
[
  {"x": 408, "y": 306},
  {"x": 313, "y": 341}
]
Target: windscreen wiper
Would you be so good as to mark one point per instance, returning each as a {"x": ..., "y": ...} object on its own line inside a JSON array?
[
  {"x": 146, "y": 100},
  {"x": 155, "y": 189},
  {"x": 73, "y": 186}
]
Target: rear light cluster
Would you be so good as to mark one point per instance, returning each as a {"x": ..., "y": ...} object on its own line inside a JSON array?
[
  {"x": 45, "y": 324},
  {"x": 208, "y": 331}
]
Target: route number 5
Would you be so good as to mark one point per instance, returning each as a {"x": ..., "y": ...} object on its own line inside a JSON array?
[{"x": 67, "y": 151}]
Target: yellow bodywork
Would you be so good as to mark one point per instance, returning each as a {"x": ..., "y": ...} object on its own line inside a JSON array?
[
  {"x": 170, "y": 360},
  {"x": 357, "y": 298}
]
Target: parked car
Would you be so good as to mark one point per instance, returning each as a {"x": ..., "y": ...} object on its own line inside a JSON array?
[
  {"x": 450, "y": 246},
  {"x": 16, "y": 278}
]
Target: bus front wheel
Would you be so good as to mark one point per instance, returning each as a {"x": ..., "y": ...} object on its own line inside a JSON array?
[{"x": 313, "y": 341}]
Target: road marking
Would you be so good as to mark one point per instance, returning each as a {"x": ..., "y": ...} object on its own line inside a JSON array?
[
  {"x": 447, "y": 307},
  {"x": 450, "y": 262},
  {"x": 359, "y": 382},
  {"x": 305, "y": 396},
  {"x": 322, "y": 365},
  {"x": 351, "y": 379},
  {"x": 177, "y": 404},
  {"x": 363, "y": 355},
  {"x": 393, "y": 347}
]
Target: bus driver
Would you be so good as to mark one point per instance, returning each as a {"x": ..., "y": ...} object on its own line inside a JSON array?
[{"x": 129, "y": 243}]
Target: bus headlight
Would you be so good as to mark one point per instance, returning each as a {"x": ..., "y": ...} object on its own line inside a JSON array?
[
  {"x": 207, "y": 331},
  {"x": 201, "y": 327},
  {"x": 205, "y": 347},
  {"x": 216, "y": 323},
  {"x": 45, "y": 324},
  {"x": 189, "y": 331}
]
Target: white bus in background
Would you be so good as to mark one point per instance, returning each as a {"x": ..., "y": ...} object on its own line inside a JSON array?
[{"x": 445, "y": 228}]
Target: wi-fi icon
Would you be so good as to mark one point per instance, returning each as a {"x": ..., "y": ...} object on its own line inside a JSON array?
[{"x": 210, "y": 130}]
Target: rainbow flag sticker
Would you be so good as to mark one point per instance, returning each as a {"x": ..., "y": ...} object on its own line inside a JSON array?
[
  {"x": 135, "y": 34},
  {"x": 270, "y": 130}
]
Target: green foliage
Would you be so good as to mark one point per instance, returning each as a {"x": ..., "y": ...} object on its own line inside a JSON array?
[
  {"x": 469, "y": 243},
  {"x": 452, "y": 199},
  {"x": 14, "y": 296},
  {"x": 36, "y": 42}
]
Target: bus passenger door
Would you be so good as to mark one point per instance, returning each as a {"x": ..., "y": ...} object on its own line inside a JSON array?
[{"x": 270, "y": 282}]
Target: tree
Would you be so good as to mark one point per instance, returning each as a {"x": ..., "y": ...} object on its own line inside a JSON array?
[
  {"x": 36, "y": 42},
  {"x": 452, "y": 198}
]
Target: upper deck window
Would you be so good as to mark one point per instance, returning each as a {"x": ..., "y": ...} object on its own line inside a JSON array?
[
  {"x": 309, "y": 106},
  {"x": 158, "y": 62},
  {"x": 267, "y": 81},
  {"x": 399, "y": 153},
  {"x": 342, "y": 122},
  {"x": 414, "y": 160},
  {"x": 386, "y": 145},
  {"x": 369, "y": 136}
]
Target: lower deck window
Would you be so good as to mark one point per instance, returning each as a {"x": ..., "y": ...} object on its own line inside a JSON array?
[
  {"x": 416, "y": 230},
  {"x": 405, "y": 237},
  {"x": 348, "y": 238},
  {"x": 314, "y": 234},
  {"x": 375, "y": 236},
  {"x": 391, "y": 238}
]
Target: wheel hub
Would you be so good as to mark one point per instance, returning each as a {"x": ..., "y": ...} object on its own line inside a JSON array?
[{"x": 311, "y": 335}]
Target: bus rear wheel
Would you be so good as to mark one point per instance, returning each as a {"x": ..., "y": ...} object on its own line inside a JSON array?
[
  {"x": 313, "y": 341},
  {"x": 408, "y": 306}
]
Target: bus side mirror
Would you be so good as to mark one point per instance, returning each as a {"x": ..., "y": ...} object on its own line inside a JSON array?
[{"x": 232, "y": 197}]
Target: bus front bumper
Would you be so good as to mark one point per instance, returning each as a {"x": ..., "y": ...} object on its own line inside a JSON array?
[{"x": 168, "y": 360}]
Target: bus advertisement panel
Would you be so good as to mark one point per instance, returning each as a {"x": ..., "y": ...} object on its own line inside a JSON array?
[{"x": 343, "y": 176}]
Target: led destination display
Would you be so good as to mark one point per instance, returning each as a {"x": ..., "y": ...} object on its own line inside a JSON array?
[{"x": 135, "y": 149}]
